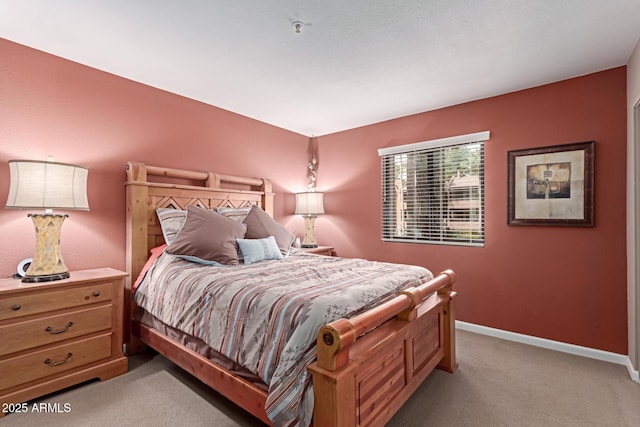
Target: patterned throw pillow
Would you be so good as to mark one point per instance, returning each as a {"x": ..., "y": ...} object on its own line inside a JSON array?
[
  {"x": 256, "y": 250},
  {"x": 171, "y": 222},
  {"x": 236, "y": 214}
]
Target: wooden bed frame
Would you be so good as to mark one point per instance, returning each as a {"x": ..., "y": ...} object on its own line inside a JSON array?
[{"x": 367, "y": 366}]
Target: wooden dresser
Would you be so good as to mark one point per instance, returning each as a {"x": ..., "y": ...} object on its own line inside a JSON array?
[{"x": 61, "y": 333}]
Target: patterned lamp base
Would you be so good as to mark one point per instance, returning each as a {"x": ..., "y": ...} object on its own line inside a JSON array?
[
  {"x": 47, "y": 264},
  {"x": 309, "y": 237}
]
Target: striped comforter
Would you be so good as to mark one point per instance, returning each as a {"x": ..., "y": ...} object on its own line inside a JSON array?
[{"x": 266, "y": 316}]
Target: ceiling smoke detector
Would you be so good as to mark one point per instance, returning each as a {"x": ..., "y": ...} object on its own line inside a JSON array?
[{"x": 297, "y": 26}]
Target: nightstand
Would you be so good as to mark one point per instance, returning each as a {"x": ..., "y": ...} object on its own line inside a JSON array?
[
  {"x": 61, "y": 333},
  {"x": 321, "y": 250}
]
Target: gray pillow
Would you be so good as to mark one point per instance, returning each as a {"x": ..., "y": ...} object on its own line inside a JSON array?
[
  {"x": 209, "y": 236},
  {"x": 260, "y": 225}
]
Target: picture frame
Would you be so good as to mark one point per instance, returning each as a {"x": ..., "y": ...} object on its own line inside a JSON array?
[{"x": 552, "y": 186}]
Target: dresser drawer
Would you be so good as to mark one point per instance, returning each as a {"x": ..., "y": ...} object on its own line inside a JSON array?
[
  {"x": 34, "y": 303},
  {"x": 54, "y": 360},
  {"x": 27, "y": 334}
]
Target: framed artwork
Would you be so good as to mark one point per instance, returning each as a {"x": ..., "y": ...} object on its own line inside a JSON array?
[{"x": 552, "y": 186}]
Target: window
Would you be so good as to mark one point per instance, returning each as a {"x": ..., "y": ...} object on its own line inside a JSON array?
[{"x": 433, "y": 191}]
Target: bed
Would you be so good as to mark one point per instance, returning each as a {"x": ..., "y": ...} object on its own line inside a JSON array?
[{"x": 362, "y": 367}]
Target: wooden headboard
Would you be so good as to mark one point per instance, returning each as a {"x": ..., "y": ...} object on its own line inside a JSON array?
[{"x": 151, "y": 187}]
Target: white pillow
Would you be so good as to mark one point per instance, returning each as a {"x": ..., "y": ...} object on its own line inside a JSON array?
[{"x": 256, "y": 250}]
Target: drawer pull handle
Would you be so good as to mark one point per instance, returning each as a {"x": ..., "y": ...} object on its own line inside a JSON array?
[
  {"x": 16, "y": 307},
  {"x": 58, "y": 363},
  {"x": 96, "y": 293},
  {"x": 59, "y": 331}
]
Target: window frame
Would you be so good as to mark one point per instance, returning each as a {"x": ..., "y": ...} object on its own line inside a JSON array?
[{"x": 429, "y": 148}]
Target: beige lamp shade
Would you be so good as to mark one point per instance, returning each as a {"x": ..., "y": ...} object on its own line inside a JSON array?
[
  {"x": 309, "y": 203},
  {"x": 47, "y": 185}
]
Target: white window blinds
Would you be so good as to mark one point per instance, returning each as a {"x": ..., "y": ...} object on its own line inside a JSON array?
[{"x": 433, "y": 191}]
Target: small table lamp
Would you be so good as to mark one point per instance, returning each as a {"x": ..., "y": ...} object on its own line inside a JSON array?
[
  {"x": 47, "y": 185},
  {"x": 309, "y": 204}
]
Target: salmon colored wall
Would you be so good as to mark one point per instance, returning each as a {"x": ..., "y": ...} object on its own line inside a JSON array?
[
  {"x": 51, "y": 106},
  {"x": 564, "y": 284}
]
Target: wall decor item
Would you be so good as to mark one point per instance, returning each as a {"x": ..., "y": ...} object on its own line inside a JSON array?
[
  {"x": 552, "y": 186},
  {"x": 312, "y": 166}
]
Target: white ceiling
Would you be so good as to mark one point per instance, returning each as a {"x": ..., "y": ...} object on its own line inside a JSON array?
[{"x": 354, "y": 62}]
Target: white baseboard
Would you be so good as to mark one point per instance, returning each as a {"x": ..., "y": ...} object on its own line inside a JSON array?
[
  {"x": 633, "y": 373},
  {"x": 592, "y": 353}
]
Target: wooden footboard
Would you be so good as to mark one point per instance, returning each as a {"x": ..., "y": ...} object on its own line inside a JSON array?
[{"x": 368, "y": 366}]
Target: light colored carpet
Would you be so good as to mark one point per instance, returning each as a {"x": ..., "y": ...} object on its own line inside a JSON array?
[{"x": 498, "y": 383}]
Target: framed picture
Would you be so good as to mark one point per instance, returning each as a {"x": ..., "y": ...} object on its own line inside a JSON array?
[{"x": 552, "y": 186}]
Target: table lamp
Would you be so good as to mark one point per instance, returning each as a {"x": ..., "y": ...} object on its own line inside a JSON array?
[
  {"x": 47, "y": 185},
  {"x": 309, "y": 204}
]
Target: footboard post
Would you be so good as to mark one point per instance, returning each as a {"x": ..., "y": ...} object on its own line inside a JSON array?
[
  {"x": 334, "y": 384},
  {"x": 449, "y": 362},
  {"x": 334, "y": 395}
]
